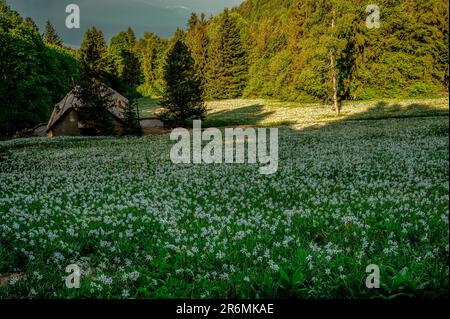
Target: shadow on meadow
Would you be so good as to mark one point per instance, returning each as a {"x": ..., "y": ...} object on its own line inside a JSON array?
[
  {"x": 382, "y": 111},
  {"x": 258, "y": 114},
  {"x": 250, "y": 115}
]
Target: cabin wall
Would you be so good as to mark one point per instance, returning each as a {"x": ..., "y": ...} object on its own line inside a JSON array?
[
  {"x": 67, "y": 126},
  {"x": 151, "y": 122},
  {"x": 118, "y": 126}
]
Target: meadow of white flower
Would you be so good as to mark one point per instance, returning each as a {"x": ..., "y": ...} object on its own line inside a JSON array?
[{"x": 345, "y": 196}]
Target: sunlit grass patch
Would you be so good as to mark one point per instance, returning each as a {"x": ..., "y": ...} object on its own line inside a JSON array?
[
  {"x": 299, "y": 115},
  {"x": 147, "y": 107}
]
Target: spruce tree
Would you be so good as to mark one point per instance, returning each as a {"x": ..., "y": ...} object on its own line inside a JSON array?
[
  {"x": 91, "y": 89},
  {"x": 31, "y": 24},
  {"x": 179, "y": 35},
  {"x": 131, "y": 78},
  {"x": 151, "y": 52},
  {"x": 126, "y": 65},
  {"x": 50, "y": 35},
  {"x": 183, "y": 94},
  {"x": 131, "y": 118},
  {"x": 193, "y": 21},
  {"x": 227, "y": 65},
  {"x": 93, "y": 54},
  {"x": 197, "y": 40},
  {"x": 131, "y": 39},
  {"x": 131, "y": 61}
]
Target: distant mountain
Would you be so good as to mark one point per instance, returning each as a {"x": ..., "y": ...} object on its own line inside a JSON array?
[{"x": 111, "y": 16}]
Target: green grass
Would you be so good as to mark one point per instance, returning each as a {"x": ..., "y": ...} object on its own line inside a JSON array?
[
  {"x": 370, "y": 187},
  {"x": 147, "y": 107},
  {"x": 301, "y": 115},
  {"x": 263, "y": 112}
]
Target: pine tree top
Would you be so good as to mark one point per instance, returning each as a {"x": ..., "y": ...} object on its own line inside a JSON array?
[{"x": 50, "y": 35}]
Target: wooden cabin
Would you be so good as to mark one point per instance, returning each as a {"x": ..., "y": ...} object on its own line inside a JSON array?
[{"x": 65, "y": 119}]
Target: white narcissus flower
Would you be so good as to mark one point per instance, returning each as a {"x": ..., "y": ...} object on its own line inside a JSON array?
[{"x": 350, "y": 193}]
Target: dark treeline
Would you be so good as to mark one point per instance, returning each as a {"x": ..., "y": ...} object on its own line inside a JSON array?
[
  {"x": 292, "y": 50},
  {"x": 297, "y": 50},
  {"x": 34, "y": 75}
]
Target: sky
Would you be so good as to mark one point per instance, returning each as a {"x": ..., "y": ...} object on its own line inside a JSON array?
[{"x": 112, "y": 16}]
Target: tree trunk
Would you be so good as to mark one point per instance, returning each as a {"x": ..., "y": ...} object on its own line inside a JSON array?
[
  {"x": 335, "y": 97},
  {"x": 334, "y": 76}
]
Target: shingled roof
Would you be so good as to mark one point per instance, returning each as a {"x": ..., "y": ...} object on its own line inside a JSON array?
[{"x": 70, "y": 101}]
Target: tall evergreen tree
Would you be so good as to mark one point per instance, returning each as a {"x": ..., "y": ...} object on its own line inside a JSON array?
[
  {"x": 131, "y": 77},
  {"x": 118, "y": 45},
  {"x": 131, "y": 118},
  {"x": 131, "y": 61},
  {"x": 92, "y": 89},
  {"x": 50, "y": 35},
  {"x": 179, "y": 35},
  {"x": 93, "y": 54},
  {"x": 151, "y": 52},
  {"x": 31, "y": 24},
  {"x": 227, "y": 65},
  {"x": 193, "y": 21},
  {"x": 123, "y": 55},
  {"x": 183, "y": 94},
  {"x": 131, "y": 39},
  {"x": 197, "y": 40}
]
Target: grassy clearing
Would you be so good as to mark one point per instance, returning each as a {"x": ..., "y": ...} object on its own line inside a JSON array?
[
  {"x": 147, "y": 107},
  {"x": 300, "y": 115},
  {"x": 347, "y": 194},
  {"x": 263, "y": 112}
]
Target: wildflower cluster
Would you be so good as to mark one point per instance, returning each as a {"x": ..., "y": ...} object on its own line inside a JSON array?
[{"x": 344, "y": 196}]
